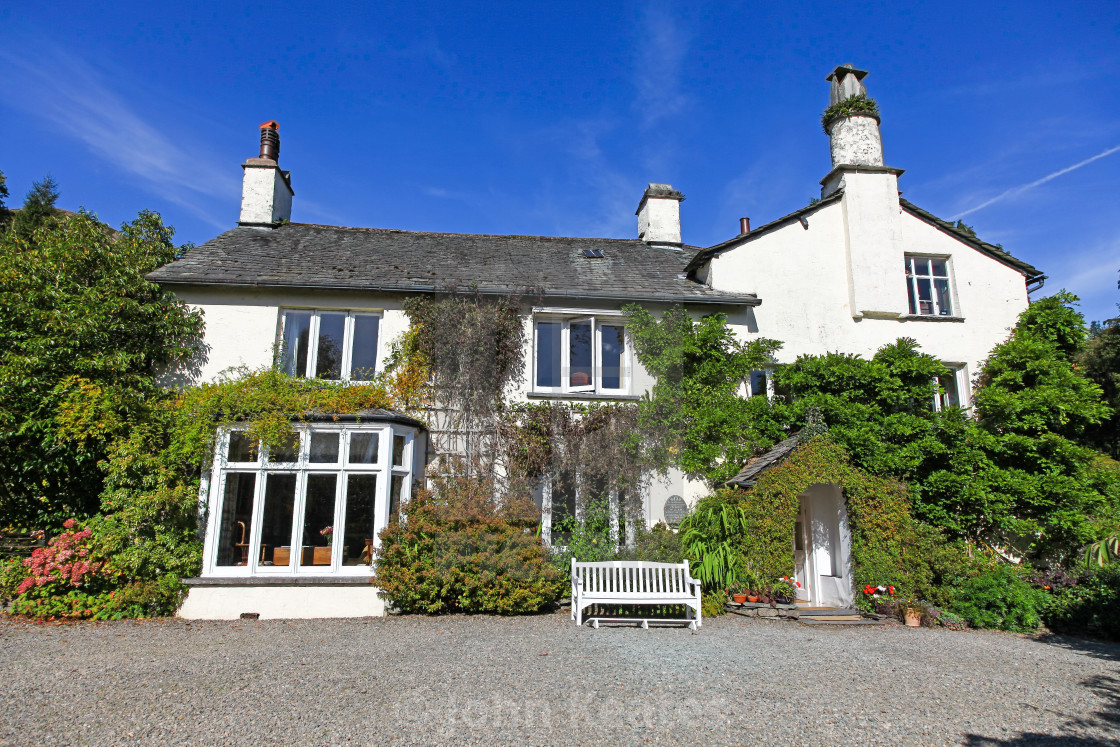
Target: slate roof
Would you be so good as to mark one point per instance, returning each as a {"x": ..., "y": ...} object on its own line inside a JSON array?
[
  {"x": 747, "y": 477},
  {"x": 300, "y": 255}
]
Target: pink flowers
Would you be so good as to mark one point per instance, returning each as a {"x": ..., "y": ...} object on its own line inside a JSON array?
[{"x": 63, "y": 559}]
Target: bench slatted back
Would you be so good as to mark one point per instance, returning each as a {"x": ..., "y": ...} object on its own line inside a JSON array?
[{"x": 633, "y": 578}]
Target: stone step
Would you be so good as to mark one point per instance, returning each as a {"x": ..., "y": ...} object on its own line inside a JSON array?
[
  {"x": 831, "y": 618},
  {"x": 828, "y": 612},
  {"x": 835, "y": 621}
]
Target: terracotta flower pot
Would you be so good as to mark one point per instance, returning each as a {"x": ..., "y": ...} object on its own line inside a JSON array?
[
  {"x": 913, "y": 617},
  {"x": 738, "y": 598},
  {"x": 752, "y": 598}
]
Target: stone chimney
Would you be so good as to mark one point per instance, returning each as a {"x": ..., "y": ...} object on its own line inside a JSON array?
[
  {"x": 266, "y": 189},
  {"x": 659, "y": 215},
  {"x": 872, "y": 214},
  {"x": 854, "y": 139}
]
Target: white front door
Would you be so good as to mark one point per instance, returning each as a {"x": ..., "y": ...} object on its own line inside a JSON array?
[
  {"x": 800, "y": 554},
  {"x": 826, "y": 562}
]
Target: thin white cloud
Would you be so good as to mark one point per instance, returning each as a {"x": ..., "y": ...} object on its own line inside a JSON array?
[
  {"x": 74, "y": 98},
  {"x": 657, "y": 77},
  {"x": 1023, "y": 188}
]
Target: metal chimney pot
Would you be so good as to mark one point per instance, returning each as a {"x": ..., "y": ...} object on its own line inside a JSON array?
[
  {"x": 270, "y": 141},
  {"x": 744, "y": 225}
]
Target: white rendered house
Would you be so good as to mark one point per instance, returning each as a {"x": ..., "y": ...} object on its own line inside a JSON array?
[{"x": 850, "y": 273}]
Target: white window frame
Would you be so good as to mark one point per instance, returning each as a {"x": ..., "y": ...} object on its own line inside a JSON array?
[
  {"x": 768, "y": 389},
  {"x": 964, "y": 392},
  {"x": 598, "y": 320},
  {"x": 347, "y": 340},
  {"x": 619, "y": 534},
  {"x": 302, "y": 468},
  {"x": 912, "y": 286}
]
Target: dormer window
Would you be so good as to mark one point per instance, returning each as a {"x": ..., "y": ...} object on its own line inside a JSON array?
[
  {"x": 927, "y": 286},
  {"x": 334, "y": 345}
]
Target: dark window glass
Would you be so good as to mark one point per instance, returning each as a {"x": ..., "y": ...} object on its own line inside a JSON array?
[
  {"x": 548, "y": 354},
  {"x": 242, "y": 448},
  {"x": 951, "y": 396},
  {"x": 398, "y": 451},
  {"x": 925, "y": 296},
  {"x": 613, "y": 338},
  {"x": 910, "y": 295},
  {"x": 236, "y": 519},
  {"x": 286, "y": 451},
  {"x": 363, "y": 362},
  {"x": 758, "y": 383},
  {"x": 361, "y": 498},
  {"x": 579, "y": 351},
  {"x": 276, "y": 519},
  {"x": 395, "y": 486},
  {"x": 363, "y": 448},
  {"x": 318, "y": 520},
  {"x": 293, "y": 346},
  {"x": 328, "y": 364},
  {"x": 941, "y": 288},
  {"x": 324, "y": 448},
  {"x": 563, "y": 508}
]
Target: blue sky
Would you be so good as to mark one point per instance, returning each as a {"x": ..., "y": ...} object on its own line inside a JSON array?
[{"x": 551, "y": 118}]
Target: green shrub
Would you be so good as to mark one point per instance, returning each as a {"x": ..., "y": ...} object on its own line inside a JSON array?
[
  {"x": 998, "y": 596},
  {"x": 858, "y": 104},
  {"x": 458, "y": 550},
  {"x": 588, "y": 541},
  {"x": 658, "y": 545},
  {"x": 1090, "y": 605}
]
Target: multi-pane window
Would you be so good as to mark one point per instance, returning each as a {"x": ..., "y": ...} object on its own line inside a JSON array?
[
  {"x": 329, "y": 344},
  {"x": 951, "y": 390},
  {"x": 568, "y": 500},
  {"x": 927, "y": 286},
  {"x": 584, "y": 354},
  {"x": 312, "y": 505}
]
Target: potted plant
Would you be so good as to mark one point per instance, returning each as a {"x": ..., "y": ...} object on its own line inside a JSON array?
[
  {"x": 784, "y": 590},
  {"x": 738, "y": 593},
  {"x": 912, "y": 611}
]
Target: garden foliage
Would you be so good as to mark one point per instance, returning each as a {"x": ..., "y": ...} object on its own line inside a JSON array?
[
  {"x": 457, "y": 549},
  {"x": 694, "y": 417},
  {"x": 84, "y": 338}
]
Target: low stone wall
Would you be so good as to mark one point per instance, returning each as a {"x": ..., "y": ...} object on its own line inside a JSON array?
[{"x": 748, "y": 609}]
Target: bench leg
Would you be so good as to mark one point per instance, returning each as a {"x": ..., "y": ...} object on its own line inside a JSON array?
[
  {"x": 692, "y": 625},
  {"x": 595, "y": 623},
  {"x": 645, "y": 624}
]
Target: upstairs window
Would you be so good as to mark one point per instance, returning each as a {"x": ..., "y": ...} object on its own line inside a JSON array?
[
  {"x": 334, "y": 345},
  {"x": 927, "y": 286},
  {"x": 581, "y": 355}
]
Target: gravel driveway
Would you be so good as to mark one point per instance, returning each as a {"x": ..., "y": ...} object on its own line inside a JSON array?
[{"x": 540, "y": 680}]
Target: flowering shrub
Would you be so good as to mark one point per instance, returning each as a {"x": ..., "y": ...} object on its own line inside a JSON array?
[{"x": 64, "y": 578}]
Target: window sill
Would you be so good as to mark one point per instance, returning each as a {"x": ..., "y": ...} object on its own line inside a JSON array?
[
  {"x": 583, "y": 396},
  {"x": 336, "y": 580},
  {"x": 930, "y": 318}
]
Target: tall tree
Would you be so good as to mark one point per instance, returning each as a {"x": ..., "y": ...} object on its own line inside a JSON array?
[
  {"x": 1100, "y": 361},
  {"x": 38, "y": 207},
  {"x": 5, "y": 214},
  {"x": 83, "y": 338}
]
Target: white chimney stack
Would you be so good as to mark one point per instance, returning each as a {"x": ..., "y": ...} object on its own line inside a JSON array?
[
  {"x": 659, "y": 215},
  {"x": 266, "y": 190}
]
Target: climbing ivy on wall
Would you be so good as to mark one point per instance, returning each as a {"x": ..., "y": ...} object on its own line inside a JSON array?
[{"x": 858, "y": 104}]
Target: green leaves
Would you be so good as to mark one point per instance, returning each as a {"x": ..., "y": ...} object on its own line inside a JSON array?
[
  {"x": 695, "y": 418},
  {"x": 84, "y": 338}
]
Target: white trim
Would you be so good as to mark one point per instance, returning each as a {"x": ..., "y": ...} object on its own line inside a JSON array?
[
  {"x": 553, "y": 311},
  {"x": 596, "y": 384},
  {"x": 302, "y": 468},
  {"x": 348, "y": 331}
]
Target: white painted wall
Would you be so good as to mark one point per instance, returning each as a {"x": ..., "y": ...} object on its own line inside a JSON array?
[
  {"x": 803, "y": 278},
  {"x": 282, "y": 602},
  {"x": 265, "y": 195},
  {"x": 855, "y": 140},
  {"x": 659, "y": 219}
]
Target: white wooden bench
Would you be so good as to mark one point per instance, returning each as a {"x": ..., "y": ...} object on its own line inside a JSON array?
[{"x": 634, "y": 582}]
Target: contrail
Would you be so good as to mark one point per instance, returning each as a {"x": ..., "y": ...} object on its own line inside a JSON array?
[{"x": 1043, "y": 180}]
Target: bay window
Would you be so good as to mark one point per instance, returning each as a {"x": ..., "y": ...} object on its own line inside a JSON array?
[
  {"x": 335, "y": 345},
  {"x": 313, "y": 505},
  {"x": 581, "y": 355}
]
